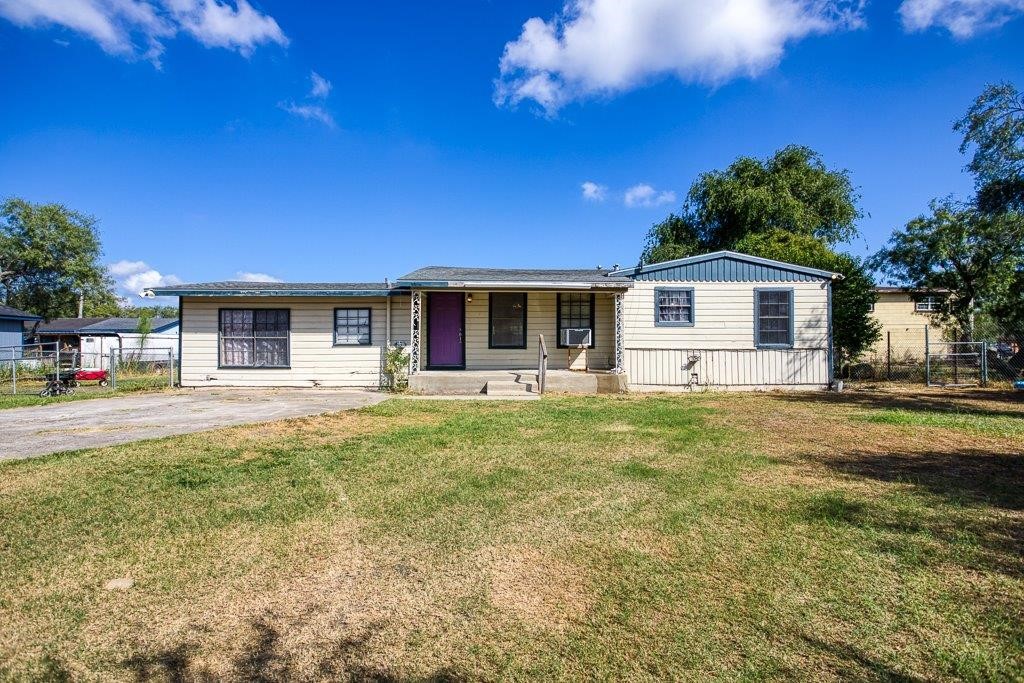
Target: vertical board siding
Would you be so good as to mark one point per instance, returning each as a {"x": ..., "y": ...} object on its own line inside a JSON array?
[
  {"x": 727, "y": 367},
  {"x": 11, "y": 334},
  {"x": 725, "y": 269}
]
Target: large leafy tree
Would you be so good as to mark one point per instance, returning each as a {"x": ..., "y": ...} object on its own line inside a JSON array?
[
  {"x": 974, "y": 250},
  {"x": 789, "y": 207},
  {"x": 973, "y": 255},
  {"x": 993, "y": 128},
  {"x": 792, "y": 190},
  {"x": 49, "y": 256}
]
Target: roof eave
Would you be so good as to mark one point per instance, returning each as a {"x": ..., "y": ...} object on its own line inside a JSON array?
[
  {"x": 511, "y": 284},
  {"x": 725, "y": 253},
  {"x": 173, "y": 291}
]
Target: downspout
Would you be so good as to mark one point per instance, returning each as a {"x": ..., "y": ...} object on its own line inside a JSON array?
[
  {"x": 181, "y": 337},
  {"x": 831, "y": 341},
  {"x": 387, "y": 323}
]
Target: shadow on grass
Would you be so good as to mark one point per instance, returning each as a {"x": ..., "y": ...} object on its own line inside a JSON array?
[
  {"x": 973, "y": 482},
  {"x": 951, "y": 401},
  {"x": 849, "y": 655},
  {"x": 962, "y": 476},
  {"x": 262, "y": 661}
]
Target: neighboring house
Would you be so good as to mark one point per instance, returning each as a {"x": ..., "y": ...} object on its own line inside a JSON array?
[
  {"x": 904, "y": 314},
  {"x": 94, "y": 338},
  {"x": 722, "y": 320},
  {"x": 12, "y": 331}
]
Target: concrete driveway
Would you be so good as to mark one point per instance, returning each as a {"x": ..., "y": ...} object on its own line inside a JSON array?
[{"x": 27, "y": 432}]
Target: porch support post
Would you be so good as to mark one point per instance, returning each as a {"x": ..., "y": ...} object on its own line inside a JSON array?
[
  {"x": 620, "y": 352},
  {"x": 415, "y": 313}
]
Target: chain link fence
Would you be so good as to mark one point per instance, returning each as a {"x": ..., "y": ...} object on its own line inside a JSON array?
[
  {"x": 944, "y": 356},
  {"x": 52, "y": 370}
]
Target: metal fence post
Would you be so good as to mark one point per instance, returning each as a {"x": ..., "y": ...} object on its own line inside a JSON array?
[
  {"x": 888, "y": 355},
  {"x": 927, "y": 359},
  {"x": 113, "y": 369},
  {"x": 170, "y": 368},
  {"x": 14, "y": 374},
  {"x": 984, "y": 364}
]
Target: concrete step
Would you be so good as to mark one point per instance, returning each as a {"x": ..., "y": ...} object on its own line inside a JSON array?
[{"x": 508, "y": 388}]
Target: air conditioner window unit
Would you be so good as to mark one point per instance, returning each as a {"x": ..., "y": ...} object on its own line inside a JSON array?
[{"x": 577, "y": 336}]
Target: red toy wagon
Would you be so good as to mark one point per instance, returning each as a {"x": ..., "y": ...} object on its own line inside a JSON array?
[{"x": 92, "y": 376}]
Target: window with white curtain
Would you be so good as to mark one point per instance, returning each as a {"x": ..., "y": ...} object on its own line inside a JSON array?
[
  {"x": 254, "y": 338},
  {"x": 773, "y": 317},
  {"x": 351, "y": 326}
]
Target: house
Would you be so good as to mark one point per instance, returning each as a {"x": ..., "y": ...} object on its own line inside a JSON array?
[
  {"x": 905, "y": 315},
  {"x": 724, "y": 320},
  {"x": 92, "y": 339},
  {"x": 12, "y": 331}
]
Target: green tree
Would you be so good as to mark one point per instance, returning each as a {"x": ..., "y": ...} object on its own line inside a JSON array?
[
  {"x": 49, "y": 255},
  {"x": 994, "y": 128},
  {"x": 145, "y": 327},
  {"x": 675, "y": 237},
  {"x": 974, "y": 256},
  {"x": 792, "y": 190},
  {"x": 854, "y": 330}
]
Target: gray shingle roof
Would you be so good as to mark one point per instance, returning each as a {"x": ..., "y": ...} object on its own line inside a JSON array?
[
  {"x": 127, "y": 325},
  {"x": 67, "y": 325},
  {"x": 525, "y": 275},
  {"x": 11, "y": 312},
  {"x": 237, "y": 288}
]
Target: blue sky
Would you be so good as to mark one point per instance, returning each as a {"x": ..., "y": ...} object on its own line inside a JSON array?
[{"x": 196, "y": 132}]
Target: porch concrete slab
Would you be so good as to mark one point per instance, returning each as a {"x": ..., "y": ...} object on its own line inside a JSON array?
[
  {"x": 93, "y": 423},
  {"x": 469, "y": 382},
  {"x": 471, "y": 397}
]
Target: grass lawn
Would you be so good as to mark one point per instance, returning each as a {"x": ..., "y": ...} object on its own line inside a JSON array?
[
  {"x": 28, "y": 391},
  {"x": 866, "y": 536}
]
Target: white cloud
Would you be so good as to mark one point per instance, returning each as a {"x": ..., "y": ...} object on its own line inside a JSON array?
[
  {"x": 119, "y": 25},
  {"x": 321, "y": 86},
  {"x": 962, "y": 18},
  {"x": 643, "y": 195},
  {"x": 602, "y": 47},
  {"x": 311, "y": 112},
  {"x": 593, "y": 192},
  {"x": 246, "y": 276},
  {"x": 132, "y": 277}
]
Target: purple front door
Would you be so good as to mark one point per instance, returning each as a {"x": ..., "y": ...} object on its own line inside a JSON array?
[{"x": 445, "y": 314}]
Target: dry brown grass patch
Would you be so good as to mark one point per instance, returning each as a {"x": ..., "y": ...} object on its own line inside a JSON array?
[{"x": 534, "y": 586}]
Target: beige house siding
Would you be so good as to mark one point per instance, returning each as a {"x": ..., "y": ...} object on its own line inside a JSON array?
[
  {"x": 313, "y": 357},
  {"x": 719, "y": 349},
  {"x": 902, "y": 325},
  {"x": 541, "y": 311}
]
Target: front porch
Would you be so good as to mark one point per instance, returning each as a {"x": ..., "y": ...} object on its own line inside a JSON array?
[
  {"x": 482, "y": 331},
  {"x": 516, "y": 382}
]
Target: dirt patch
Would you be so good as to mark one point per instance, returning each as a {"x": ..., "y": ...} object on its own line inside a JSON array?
[
  {"x": 534, "y": 586},
  {"x": 346, "y": 612},
  {"x": 318, "y": 430},
  {"x": 618, "y": 428}
]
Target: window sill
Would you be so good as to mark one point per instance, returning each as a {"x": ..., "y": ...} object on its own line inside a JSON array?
[
  {"x": 773, "y": 347},
  {"x": 672, "y": 324},
  {"x": 254, "y": 367},
  {"x": 343, "y": 345}
]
